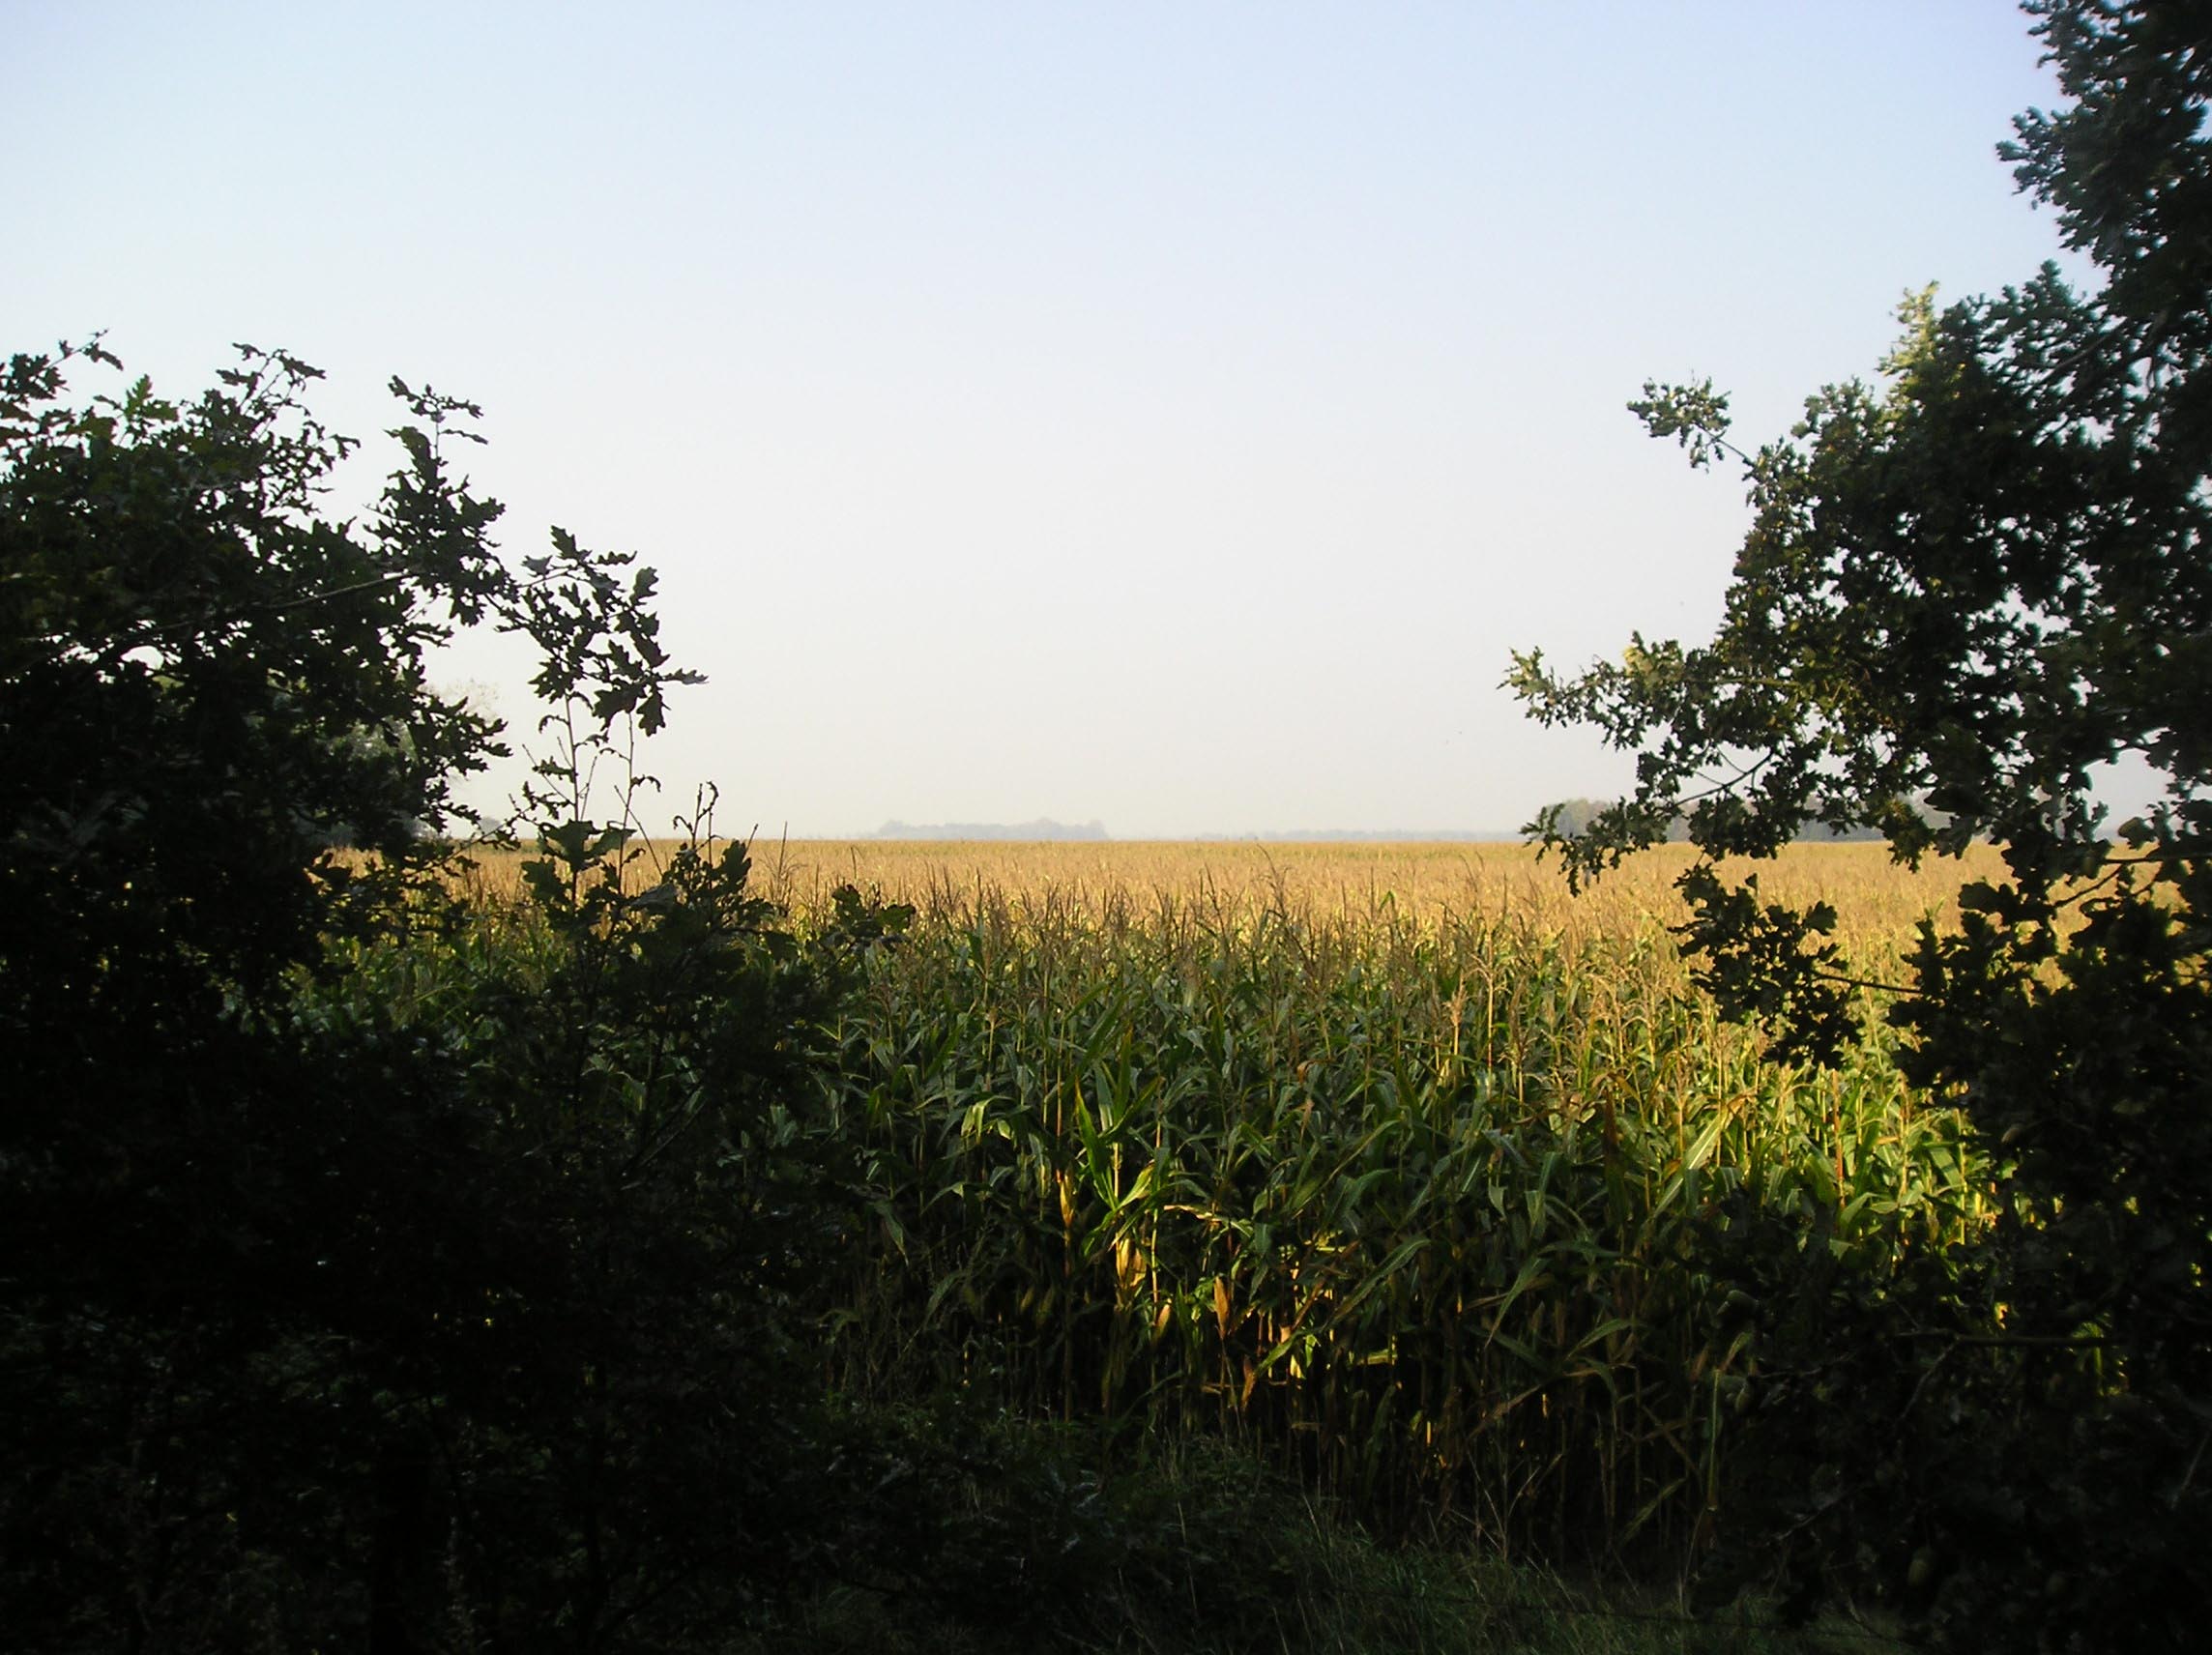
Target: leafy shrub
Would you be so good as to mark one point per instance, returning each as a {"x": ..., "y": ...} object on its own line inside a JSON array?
[{"x": 370, "y": 1270}]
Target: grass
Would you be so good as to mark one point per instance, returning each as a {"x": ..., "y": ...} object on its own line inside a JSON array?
[{"x": 1206, "y": 1552}]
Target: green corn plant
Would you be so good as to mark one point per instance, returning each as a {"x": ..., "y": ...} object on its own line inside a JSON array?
[{"x": 1416, "y": 1204}]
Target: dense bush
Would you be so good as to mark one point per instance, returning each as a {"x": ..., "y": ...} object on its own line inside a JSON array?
[{"x": 371, "y": 1271}]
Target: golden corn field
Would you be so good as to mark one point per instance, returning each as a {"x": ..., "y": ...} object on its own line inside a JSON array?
[
  {"x": 1396, "y": 1163},
  {"x": 1877, "y": 901}
]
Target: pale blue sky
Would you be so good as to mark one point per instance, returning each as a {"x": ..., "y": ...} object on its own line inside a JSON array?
[{"x": 1170, "y": 414}]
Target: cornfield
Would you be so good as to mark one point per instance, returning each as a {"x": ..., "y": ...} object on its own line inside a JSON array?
[{"x": 1397, "y": 1165}]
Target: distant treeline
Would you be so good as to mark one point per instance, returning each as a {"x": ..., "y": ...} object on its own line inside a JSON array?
[
  {"x": 1041, "y": 828},
  {"x": 1362, "y": 836},
  {"x": 1574, "y": 816},
  {"x": 1577, "y": 814}
]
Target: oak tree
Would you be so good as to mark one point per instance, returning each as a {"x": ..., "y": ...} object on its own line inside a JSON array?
[{"x": 1972, "y": 594}]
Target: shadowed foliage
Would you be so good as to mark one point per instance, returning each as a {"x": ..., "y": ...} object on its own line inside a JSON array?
[
  {"x": 1978, "y": 584},
  {"x": 370, "y": 1271}
]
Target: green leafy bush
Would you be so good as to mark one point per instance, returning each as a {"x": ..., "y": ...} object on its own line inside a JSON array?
[{"x": 371, "y": 1271}]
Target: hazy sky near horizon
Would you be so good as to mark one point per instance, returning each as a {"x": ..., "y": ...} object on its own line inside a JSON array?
[{"x": 1169, "y": 415}]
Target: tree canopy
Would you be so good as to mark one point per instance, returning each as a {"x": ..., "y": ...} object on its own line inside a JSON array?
[
  {"x": 367, "y": 1275},
  {"x": 1972, "y": 592}
]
